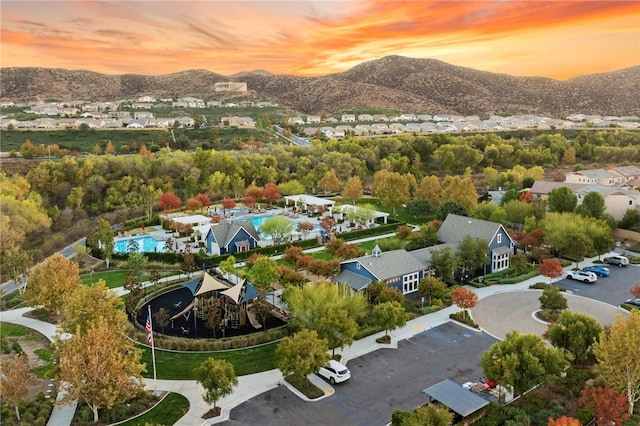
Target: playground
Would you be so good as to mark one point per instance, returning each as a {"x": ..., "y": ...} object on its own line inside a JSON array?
[{"x": 208, "y": 307}]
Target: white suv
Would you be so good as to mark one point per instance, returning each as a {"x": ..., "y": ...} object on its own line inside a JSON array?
[
  {"x": 580, "y": 275},
  {"x": 334, "y": 372}
]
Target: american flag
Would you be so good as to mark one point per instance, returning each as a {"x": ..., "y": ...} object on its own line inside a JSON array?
[{"x": 149, "y": 328}]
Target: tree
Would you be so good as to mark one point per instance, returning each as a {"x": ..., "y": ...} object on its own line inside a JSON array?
[
  {"x": 137, "y": 261},
  {"x": 464, "y": 298},
  {"x": 252, "y": 195},
  {"x": 217, "y": 377},
  {"x": 304, "y": 228},
  {"x": 561, "y": 200},
  {"x": 52, "y": 282},
  {"x": 552, "y": 301},
  {"x": 228, "y": 204},
  {"x": 100, "y": 367},
  {"x": 618, "y": 355},
  {"x": 148, "y": 196},
  {"x": 162, "y": 318},
  {"x": 169, "y": 201},
  {"x": 277, "y": 227},
  {"x": 450, "y": 207},
  {"x": 264, "y": 273},
  {"x": 352, "y": 190},
  {"x": 193, "y": 204},
  {"x": 338, "y": 327},
  {"x": 592, "y": 205},
  {"x": 105, "y": 237},
  {"x": 16, "y": 263},
  {"x": 430, "y": 414},
  {"x": 444, "y": 262},
  {"x": 473, "y": 253},
  {"x": 329, "y": 182},
  {"x": 391, "y": 188},
  {"x": 522, "y": 361},
  {"x": 86, "y": 306},
  {"x": 204, "y": 199},
  {"x": 576, "y": 333},
  {"x": 461, "y": 191},
  {"x": 551, "y": 268},
  {"x": 15, "y": 379},
  {"x": 564, "y": 421},
  {"x": 430, "y": 190},
  {"x": 432, "y": 287},
  {"x": 271, "y": 193},
  {"x": 135, "y": 292},
  {"x": 389, "y": 316},
  {"x": 189, "y": 265},
  {"x": 569, "y": 234},
  {"x": 291, "y": 187},
  {"x": 609, "y": 406},
  {"x": 301, "y": 354},
  {"x": 635, "y": 291},
  {"x": 228, "y": 266}
]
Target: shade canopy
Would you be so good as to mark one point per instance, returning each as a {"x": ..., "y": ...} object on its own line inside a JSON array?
[
  {"x": 456, "y": 398},
  {"x": 204, "y": 283}
]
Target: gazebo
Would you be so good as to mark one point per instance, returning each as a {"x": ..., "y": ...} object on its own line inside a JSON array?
[{"x": 308, "y": 202}]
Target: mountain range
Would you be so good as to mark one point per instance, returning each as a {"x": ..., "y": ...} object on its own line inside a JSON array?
[{"x": 392, "y": 82}]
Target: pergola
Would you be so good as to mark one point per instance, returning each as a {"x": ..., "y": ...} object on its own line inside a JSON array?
[{"x": 308, "y": 202}]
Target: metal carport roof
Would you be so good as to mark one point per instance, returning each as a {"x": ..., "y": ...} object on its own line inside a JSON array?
[{"x": 456, "y": 398}]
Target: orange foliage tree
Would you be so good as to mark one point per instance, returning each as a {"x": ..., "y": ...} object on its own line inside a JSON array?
[
  {"x": 564, "y": 421},
  {"x": 271, "y": 193},
  {"x": 464, "y": 299},
  {"x": 228, "y": 204},
  {"x": 551, "y": 268},
  {"x": 169, "y": 201},
  {"x": 609, "y": 406}
]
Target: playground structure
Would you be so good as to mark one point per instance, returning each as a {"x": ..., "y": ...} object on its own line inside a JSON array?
[{"x": 208, "y": 306}]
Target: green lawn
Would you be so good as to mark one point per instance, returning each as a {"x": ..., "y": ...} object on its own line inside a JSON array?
[
  {"x": 180, "y": 365},
  {"x": 167, "y": 412},
  {"x": 116, "y": 278},
  {"x": 13, "y": 330}
]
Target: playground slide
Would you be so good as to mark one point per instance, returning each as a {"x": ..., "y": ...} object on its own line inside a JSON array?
[
  {"x": 190, "y": 306},
  {"x": 252, "y": 319}
]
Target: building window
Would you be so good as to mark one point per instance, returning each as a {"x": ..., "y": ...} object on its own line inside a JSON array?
[
  {"x": 499, "y": 239},
  {"x": 410, "y": 283},
  {"x": 357, "y": 266},
  {"x": 630, "y": 202}
]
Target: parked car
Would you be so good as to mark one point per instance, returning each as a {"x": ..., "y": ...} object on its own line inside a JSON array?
[
  {"x": 634, "y": 302},
  {"x": 580, "y": 275},
  {"x": 616, "y": 260},
  {"x": 334, "y": 372},
  {"x": 599, "y": 270}
]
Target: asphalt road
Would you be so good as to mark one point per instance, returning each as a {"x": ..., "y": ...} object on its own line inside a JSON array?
[
  {"x": 381, "y": 382},
  {"x": 613, "y": 289}
]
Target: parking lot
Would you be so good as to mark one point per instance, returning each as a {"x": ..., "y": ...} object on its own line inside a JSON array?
[
  {"x": 613, "y": 289},
  {"x": 381, "y": 382}
]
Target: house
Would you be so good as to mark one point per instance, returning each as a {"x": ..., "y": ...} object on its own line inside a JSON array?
[
  {"x": 313, "y": 119},
  {"x": 348, "y": 118},
  {"x": 365, "y": 117},
  {"x": 592, "y": 176},
  {"x": 627, "y": 173},
  {"x": 616, "y": 200},
  {"x": 231, "y": 237},
  {"x": 396, "y": 268},
  {"x": 542, "y": 188},
  {"x": 455, "y": 228}
]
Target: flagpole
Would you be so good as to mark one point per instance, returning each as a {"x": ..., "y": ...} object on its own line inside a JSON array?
[{"x": 153, "y": 354}]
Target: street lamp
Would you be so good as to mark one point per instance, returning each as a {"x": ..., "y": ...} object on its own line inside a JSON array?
[{"x": 498, "y": 385}]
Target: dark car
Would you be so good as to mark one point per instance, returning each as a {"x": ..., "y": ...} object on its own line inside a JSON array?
[
  {"x": 634, "y": 302},
  {"x": 599, "y": 270}
]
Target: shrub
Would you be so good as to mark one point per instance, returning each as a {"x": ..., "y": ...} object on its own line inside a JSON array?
[{"x": 461, "y": 317}]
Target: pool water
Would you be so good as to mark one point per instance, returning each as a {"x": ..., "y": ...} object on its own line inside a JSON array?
[{"x": 146, "y": 245}]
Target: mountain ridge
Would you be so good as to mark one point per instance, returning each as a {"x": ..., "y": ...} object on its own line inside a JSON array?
[{"x": 391, "y": 82}]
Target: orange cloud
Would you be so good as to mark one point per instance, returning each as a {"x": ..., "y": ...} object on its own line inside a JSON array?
[{"x": 316, "y": 38}]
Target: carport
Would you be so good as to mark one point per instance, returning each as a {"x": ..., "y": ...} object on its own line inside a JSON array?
[{"x": 456, "y": 398}]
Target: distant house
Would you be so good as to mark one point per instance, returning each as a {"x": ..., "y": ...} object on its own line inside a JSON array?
[
  {"x": 592, "y": 176},
  {"x": 626, "y": 173},
  {"x": 348, "y": 118},
  {"x": 231, "y": 237},
  {"x": 396, "y": 268},
  {"x": 455, "y": 228}
]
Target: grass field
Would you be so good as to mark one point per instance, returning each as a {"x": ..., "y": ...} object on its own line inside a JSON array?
[
  {"x": 180, "y": 365},
  {"x": 167, "y": 412},
  {"x": 116, "y": 278},
  {"x": 13, "y": 330}
]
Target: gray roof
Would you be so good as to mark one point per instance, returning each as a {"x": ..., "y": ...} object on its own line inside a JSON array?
[
  {"x": 355, "y": 281},
  {"x": 225, "y": 231},
  {"x": 457, "y": 398},
  {"x": 545, "y": 187},
  {"x": 424, "y": 254},
  {"x": 390, "y": 264},
  {"x": 456, "y": 227},
  {"x": 594, "y": 174},
  {"x": 627, "y": 171}
]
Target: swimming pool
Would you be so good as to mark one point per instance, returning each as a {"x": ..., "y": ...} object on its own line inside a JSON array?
[
  {"x": 146, "y": 244},
  {"x": 259, "y": 220}
]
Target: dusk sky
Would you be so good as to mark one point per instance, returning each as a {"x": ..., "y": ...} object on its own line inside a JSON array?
[{"x": 557, "y": 39}]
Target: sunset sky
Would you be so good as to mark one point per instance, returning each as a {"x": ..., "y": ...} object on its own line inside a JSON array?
[{"x": 558, "y": 39}]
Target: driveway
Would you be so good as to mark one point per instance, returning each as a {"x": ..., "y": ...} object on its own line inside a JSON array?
[{"x": 381, "y": 382}]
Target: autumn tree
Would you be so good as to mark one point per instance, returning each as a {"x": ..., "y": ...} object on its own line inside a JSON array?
[
  {"x": 148, "y": 195},
  {"x": 304, "y": 228},
  {"x": 352, "y": 190},
  {"x": 162, "y": 318},
  {"x": 15, "y": 379},
  {"x": 329, "y": 182},
  {"x": 564, "y": 421},
  {"x": 86, "y": 306},
  {"x": 391, "y": 188},
  {"x": 327, "y": 223},
  {"x": 575, "y": 333},
  {"x": 551, "y": 268},
  {"x": 301, "y": 354},
  {"x": 169, "y": 201},
  {"x": 522, "y": 361},
  {"x": 228, "y": 204},
  {"x": 217, "y": 377},
  {"x": 16, "y": 263},
  {"x": 389, "y": 316},
  {"x": 252, "y": 195},
  {"x": 100, "y": 367},
  {"x": 461, "y": 191},
  {"x": 52, "y": 282},
  {"x": 635, "y": 291},
  {"x": 464, "y": 298},
  {"x": 277, "y": 227},
  {"x": 609, "y": 406},
  {"x": 271, "y": 193},
  {"x": 618, "y": 355},
  {"x": 193, "y": 204},
  {"x": 430, "y": 190}
]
